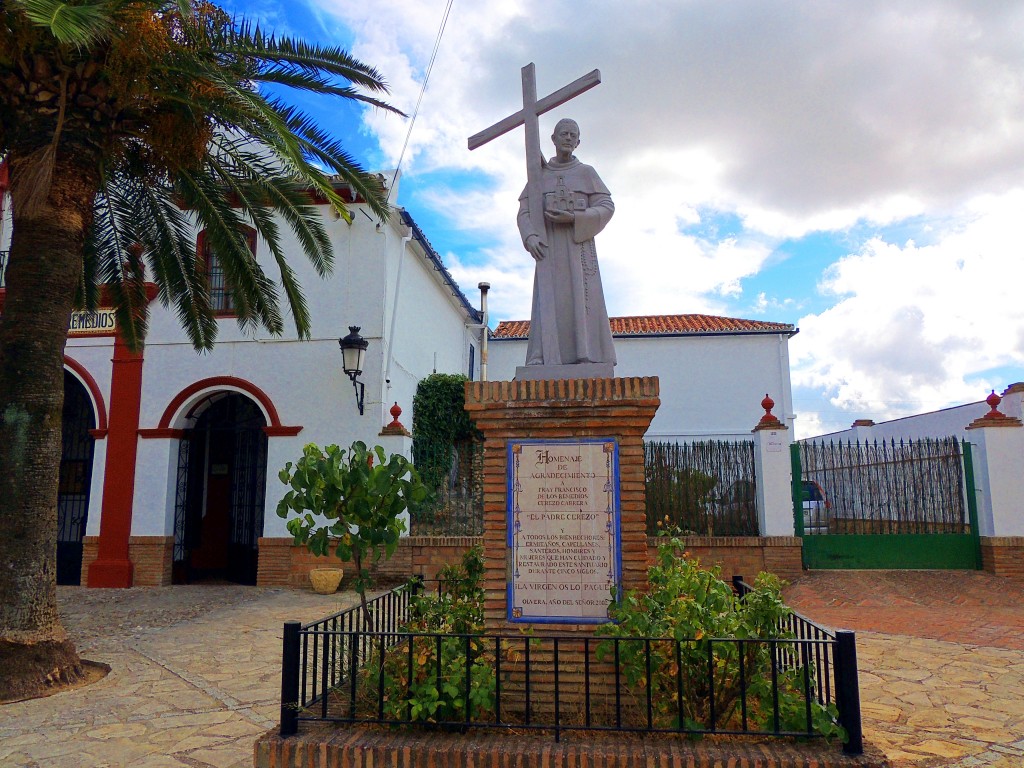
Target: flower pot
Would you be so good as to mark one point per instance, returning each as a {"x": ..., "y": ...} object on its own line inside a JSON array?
[{"x": 325, "y": 581}]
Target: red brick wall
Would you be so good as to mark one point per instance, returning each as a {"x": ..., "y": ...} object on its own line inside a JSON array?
[
  {"x": 1003, "y": 555},
  {"x": 151, "y": 556},
  {"x": 282, "y": 563},
  {"x": 90, "y": 551},
  {"x": 326, "y": 746},
  {"x": 744, "y": 556}
]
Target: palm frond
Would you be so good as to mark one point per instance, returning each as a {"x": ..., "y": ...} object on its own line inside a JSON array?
[
  {"x": 170, "y": 249},
  {"x": 254, "y": 294},
  {"x": 79, "y": 24},
  {"x": 249, "y": 41},
  {"x": 120, "y": 267}
]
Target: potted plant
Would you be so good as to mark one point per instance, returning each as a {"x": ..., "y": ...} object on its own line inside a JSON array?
[{"x": 350, "y": 500}]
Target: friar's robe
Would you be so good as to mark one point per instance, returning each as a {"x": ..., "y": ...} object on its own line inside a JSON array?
[{"x": 578, "y": 311}]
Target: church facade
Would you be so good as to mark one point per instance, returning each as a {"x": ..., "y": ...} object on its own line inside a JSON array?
[
  {"x": 170, "y": 463},
  {"x": 169, "y": 470}
]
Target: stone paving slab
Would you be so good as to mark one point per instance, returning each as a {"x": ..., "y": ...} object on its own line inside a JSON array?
[
  {"x": 195, "y": 678},
  {"x": 941, "y": 659},
  {"x": 195, "y": 671}
]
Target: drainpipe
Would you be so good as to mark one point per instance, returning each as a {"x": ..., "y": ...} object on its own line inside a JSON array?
[
  {"x": 406, "y": 239},
  {"x": 484, "y": 288}
]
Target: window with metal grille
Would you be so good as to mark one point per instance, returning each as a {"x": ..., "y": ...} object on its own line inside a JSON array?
[{"x": 220, "y": 288}]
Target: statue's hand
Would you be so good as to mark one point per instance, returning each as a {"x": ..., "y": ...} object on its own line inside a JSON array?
[
  {"x": 537, "y": 247},
  {"x": 560, "y": 217}
]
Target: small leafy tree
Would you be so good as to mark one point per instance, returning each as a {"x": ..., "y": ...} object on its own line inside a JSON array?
[{"x": 352, "y": 500}]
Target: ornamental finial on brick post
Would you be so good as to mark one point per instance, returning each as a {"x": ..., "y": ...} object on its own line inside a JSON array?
[
  {"x": 395, "y": 427},
  {"x": 993, "y": 401},
  {"x": 769, "y": 421},
  {"x": 995, "y": 417}
]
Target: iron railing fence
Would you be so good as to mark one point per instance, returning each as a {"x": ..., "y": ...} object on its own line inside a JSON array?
[
  {"x": 702, "y": 488},
  {"x": 3, "y": 266},
  {"x": 322, "y": 660},
  {"x": 890, "y": 487},
  {"x": 336, "y": 672},
  {"x": 454, "y": 474}
]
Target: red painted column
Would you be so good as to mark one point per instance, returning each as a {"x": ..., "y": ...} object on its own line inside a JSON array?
[{"x": 112, "y": 567}]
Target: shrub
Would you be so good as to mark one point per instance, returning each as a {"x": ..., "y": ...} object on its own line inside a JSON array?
[
  {"x": 694, "y": 606},
  {"x": 424, "y": 677}
]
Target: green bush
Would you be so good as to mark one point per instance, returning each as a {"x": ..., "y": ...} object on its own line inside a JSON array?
[
  {"x": 695, "y": 606},
  {"x": 427, "y": 682}
]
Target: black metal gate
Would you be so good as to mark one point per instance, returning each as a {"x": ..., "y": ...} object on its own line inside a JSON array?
[
  {"x": 75, "y": 479},
  {"x": 221, "y": 487},
  {"x": 886, "y": 504}
]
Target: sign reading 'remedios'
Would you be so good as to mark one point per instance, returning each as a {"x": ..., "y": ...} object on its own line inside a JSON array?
[
  {"x": 563, "y": 530},
  {"x": 98, "y": 323}
]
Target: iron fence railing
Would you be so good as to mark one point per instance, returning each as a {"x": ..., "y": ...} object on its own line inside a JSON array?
[
  {"x": 454, "y": 475},
  {"x": 702, "y": 488},
  {"x": 913, "y": 486},
  {"x": 336, "y": 671},
  {"x": 314, "y": 661}
]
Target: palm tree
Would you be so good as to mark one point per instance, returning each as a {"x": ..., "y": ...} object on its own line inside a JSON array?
[{"x": 124, "y": 124}]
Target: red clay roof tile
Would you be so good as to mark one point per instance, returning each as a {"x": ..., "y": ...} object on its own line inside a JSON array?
[{"x": 658, "y": 325}]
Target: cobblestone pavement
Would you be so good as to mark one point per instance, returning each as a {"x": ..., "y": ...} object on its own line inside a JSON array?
[
  {"x": 941, "y": 659},
  {"x": 195, "y": 672},
  {"x": 195, "y": 677}
]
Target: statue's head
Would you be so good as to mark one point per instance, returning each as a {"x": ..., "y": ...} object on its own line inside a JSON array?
[{"x": 567, "y": 130}]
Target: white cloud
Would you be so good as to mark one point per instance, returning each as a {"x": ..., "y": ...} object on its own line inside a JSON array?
[
  {"x": 913, "y": 325},
  {"x": 794, "y": 117}
]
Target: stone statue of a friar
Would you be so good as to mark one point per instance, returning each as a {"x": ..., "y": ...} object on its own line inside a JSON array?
[
  {"x": 577, "y": 206},
  {"x": 563, "y": 207}
]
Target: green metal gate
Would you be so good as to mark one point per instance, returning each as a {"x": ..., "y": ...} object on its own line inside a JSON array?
[{"x": 906, "y": 504}]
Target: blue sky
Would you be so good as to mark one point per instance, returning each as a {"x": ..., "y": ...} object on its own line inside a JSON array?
[{"x": 855, "y": 169}]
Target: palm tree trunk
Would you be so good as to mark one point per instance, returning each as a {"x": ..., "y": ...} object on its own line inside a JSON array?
[{"x": 43, "y": 271}]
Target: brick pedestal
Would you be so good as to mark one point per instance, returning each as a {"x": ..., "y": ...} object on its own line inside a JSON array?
[{"x": 550, "y": 410}]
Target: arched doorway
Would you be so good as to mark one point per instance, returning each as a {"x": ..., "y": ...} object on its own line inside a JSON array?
[
  {"x": 221, "y": 486},
  {"x": 75, "y": 479}
]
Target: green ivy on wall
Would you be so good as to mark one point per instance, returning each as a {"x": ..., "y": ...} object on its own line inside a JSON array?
[{"x": 438, "y": 413}]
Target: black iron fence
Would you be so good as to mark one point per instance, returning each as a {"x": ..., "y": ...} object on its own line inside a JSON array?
[
  {"x": 913, "y": 486},
  {"x": 801, "y": 685},
  {"x": 454, "y": 475},
  {"x": 702, "y": 488}
]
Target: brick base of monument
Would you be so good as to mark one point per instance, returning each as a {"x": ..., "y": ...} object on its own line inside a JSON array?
[
  {"x": 506, "y": 411},
  {"x": 328, "y": 746}
]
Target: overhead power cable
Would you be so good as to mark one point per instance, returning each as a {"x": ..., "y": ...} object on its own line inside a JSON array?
[{"x": 423, "y": 90}]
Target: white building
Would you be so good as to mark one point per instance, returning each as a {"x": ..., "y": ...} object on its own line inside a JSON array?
[
  {"x": 714, "y": 371},
  {"x": 171, "y": 456},
  {"x": 947, "y": 422}
]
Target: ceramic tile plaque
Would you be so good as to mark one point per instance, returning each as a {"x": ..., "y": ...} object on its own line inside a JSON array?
[{"x": 563, "y": 530}]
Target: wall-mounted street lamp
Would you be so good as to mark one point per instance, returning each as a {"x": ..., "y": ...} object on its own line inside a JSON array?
[{"x": 353, "y": 353}]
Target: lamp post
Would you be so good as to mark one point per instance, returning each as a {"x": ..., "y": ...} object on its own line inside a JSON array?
[{"x": 353, "y": 353}]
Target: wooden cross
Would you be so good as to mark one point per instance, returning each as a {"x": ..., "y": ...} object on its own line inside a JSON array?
[{"x": 527, "y": 116}]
